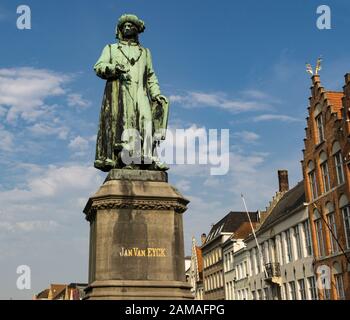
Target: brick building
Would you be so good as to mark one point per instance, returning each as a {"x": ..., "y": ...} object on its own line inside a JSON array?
[
  {"x": 327, "y": 184},
  {"x": 196, "y": 270},
  {"x": 212, "y": 251}
]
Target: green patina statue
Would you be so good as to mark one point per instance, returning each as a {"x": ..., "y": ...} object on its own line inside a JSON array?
[{"x": 134, "y": 114}]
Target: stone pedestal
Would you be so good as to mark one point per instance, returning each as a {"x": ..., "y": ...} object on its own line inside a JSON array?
[{"x": 136, "y": 238}]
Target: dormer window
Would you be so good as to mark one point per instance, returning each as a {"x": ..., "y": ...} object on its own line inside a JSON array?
[
  {"x": 319, "y": 123},
  {"x": 320, "y": 129}
]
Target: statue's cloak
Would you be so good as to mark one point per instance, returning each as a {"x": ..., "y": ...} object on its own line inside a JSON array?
[{"x": 128, "y": 100}]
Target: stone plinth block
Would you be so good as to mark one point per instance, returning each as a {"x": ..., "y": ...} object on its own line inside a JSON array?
[{"x": 136, "y": 238}]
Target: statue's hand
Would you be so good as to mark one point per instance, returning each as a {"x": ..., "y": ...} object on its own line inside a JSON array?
[
  {"x": 120, "y": 69},
  {"x": 161, "y": 99}
]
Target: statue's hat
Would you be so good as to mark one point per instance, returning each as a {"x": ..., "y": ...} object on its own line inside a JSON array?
[{"x": 133, "y": 19}]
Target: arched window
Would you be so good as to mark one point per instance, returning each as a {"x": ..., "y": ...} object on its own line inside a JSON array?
[
  {"x": 310, "y": 166},
  {"x": 335, "y": 147},
  {"x": 338, "y": 162},
  {"x": 343, "y": 201},
  {"x": 324, "y": 171},
  {"x": 316, "y": 214},
  {"x": 329, "y": 208},
  {"x": 318, "y": 110},
  {"x": 344, "y": 206},
  {"x": 319, "y": 233},
  {"x": 338, "y": 279},
  {"x": 312, "y": 179},
  {"x": 319, "y": 123},
  {"x": 337, "y": 268},
  {"x": 329, "y": 211}
]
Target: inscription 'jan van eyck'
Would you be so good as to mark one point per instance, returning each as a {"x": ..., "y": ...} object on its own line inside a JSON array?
[{"x": 148, "y": 252}]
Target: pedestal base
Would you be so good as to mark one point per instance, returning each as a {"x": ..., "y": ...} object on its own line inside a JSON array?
[
  {"x": 138, "y": 290},
  {"x": 136, "y": 238}
]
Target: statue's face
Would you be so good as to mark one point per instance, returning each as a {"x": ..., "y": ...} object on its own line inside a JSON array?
[{"x": 129, "y": 30}]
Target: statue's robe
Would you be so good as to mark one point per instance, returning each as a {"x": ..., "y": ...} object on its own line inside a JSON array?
[{"x": 126, "y": 104}]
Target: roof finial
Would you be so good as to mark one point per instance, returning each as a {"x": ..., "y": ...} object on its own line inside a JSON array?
[{"x": 317, "y": 69}]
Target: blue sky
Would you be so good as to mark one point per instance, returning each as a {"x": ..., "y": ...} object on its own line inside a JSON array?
[{"x": 238, "y": 65}]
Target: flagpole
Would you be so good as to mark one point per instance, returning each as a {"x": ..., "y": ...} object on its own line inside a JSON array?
[{"x": 256, "y": 240}]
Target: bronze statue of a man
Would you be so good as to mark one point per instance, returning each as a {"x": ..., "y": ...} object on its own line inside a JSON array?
[{"x": 134, "y": 114}]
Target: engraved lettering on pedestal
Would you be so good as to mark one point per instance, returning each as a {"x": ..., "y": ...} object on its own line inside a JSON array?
[{"x": 147, "y": 252}]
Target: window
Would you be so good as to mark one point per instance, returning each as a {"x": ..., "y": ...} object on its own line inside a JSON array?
[
  {"x": 312, "y": 288},
  {"x": 306, "y": 226},
  {"x": 338, "y": 160},
  {"x": 326, "y": 294},
  {"x": 258, "y": 260},
  {"x": 251, "y": 263},
  {"x": 289, "y": 246},
  {"x": 302, "y": 293},
  {"x": 266, "y": 294},
  {"x": 298, "y": 242},
  {"x": 260, "y": 295},
  {"x": 325, "y": 176},
  {"x": 346, "y": 217},
  {"x": 339, "y": 286},
  {"x": 313, "y": 184},
  {"x": 333, "y": 234},
  {"x": 292, "y": 292},
  {"x": 286, "y": 297},
  {"x": 319, "y": 235},
  {"x": 283, "y": 248},
  {"x": 320, "y": 129},
  {"x": 254, "y": 295},
  {"x": 273, "y": 251},
  {"x": 265, "y": 250}
]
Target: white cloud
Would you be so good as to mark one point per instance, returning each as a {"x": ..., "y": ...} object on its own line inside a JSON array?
[
  {"x": 24, "y": 91},
  {"x": 220, "y": 100},
  {"x": 29, "y": 226},
  {"x": 184, "y": 185},
  {"x": 42, "y": 223},
  {"x": 59, "y": 180},
  {"x": 79, "y": 144},
  {"x": 6, "y": 140},
  {"x": 257, "y": 94},
  {"x": 43, "y": 129},
  {"x": 51, "y": 183},
  {"x": 275, "y": 117},
  {"x": 76, "y": 100},
  {"x": 211, "y": 182},
  {"x": 247, "y": 136}
]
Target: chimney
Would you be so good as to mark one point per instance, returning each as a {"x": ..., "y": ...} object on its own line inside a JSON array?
[
  {"x": 203, "y": 238},
  {"x": 283, "y": 180},
  {"x": 315, "y": 79}
]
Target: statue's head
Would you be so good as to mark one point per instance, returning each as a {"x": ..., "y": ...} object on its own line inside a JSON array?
[{"x": 129, "y": 27}]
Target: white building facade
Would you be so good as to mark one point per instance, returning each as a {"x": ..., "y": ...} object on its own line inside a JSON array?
[{"x": 283, "y": 267}]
